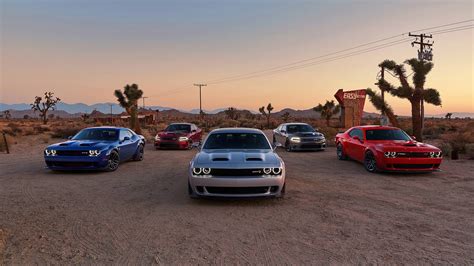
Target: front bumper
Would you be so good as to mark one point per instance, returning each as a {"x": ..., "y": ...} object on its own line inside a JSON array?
[
  {"x": 308, "y": 146},
  {"x": 410, "y": 164},
  {"x": 76, "y": 162},
  {"x": 181, "y": 145},
  {"x": 237, "y": 186}
]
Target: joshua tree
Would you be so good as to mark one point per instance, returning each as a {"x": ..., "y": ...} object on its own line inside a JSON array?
[
  {"x": 26, "y": 117},
  {"x": 380, "y": 105},
  {"x": 232, "y": 113},
  {"x": 448, "y": 116},
  {"x": 416, "y": 93},
  {"x": 44, "y": 105},
  {"x": 7, "y": 114},
  {"x": 85, "y": 117},
  {"x": 129, "y": 101},
  {"x": 286, "y": 116},
  {"x": 267, "y": 113},
  {"x": 328, "y": 110}
]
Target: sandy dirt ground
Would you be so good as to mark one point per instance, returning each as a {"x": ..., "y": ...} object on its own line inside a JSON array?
[{"x": 334, "y": 213}]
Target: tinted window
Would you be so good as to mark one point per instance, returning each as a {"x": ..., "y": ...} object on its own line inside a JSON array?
[
  {"x": 125, "y": 133},
  {"x": 356, "y": 132},
  {"x": 97, "y": 134},
  {"x": 236, "y": 141},
  {"x": 179, "y": 127},
  {"x": 299, "y": 128},
  {"x": 386, "y": 134}
]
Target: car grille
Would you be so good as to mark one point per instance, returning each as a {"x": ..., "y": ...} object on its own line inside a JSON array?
[
  {"x": 238, "y": 190},
  {"x": 72, "y": 164},
  {"x": 169, "y": 145},
  {"x": 237, "y": 172},
  {"x": 413, "y": 154},
  {"x": 72, "y": 153},
  {"x": 415, "y": 166},
  {"x": 168, "y": 138},
  {"x": 310, "y": 146}
]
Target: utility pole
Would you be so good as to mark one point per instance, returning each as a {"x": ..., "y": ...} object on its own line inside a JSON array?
[
  {"x": 383, "y": 118},
  {"x": 423, "y": 54},
  {"x": 111, "y": 115},
  {"x": 200, "y": 97},
  {"x": 144, "y": 101}
]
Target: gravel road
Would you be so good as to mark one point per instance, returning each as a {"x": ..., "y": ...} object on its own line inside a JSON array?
[{"x": 334, "y": 213}]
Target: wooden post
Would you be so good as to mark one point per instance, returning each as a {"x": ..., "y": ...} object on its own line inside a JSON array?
[{"x": 6, "y": 143}]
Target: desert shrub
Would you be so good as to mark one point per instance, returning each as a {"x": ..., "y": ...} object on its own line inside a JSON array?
[
  {"x": 13, "y": 129},
  {"x": 470, "y": 151},
  {"x": 65, "y": 131},
  {"x": 40, "y": 129},
  {"x": 28, "y": 131},
  {"x": 329, "y": 133},
  {"x": 446, "y": 149}
]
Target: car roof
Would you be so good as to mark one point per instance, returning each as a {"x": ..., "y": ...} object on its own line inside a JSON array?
[
  {"x": 183, "y": 123},
  {"x": 375, "y": 127},
  {"x": 106, "y": 127},
  {"x": 295, "y": 123},
  {"x": 236, "y": 130}
]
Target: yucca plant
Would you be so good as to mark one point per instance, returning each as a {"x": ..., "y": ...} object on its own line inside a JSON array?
[
  {"x": 328, "y": 110},
  {"x": 129, "y": 101}
]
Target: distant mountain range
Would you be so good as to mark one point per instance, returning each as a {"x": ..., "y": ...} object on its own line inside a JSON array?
[{"x": 76, "y": 109}]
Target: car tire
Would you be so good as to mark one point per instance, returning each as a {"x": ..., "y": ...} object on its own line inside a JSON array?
[
  {"x": 113, "y": 161},
  {"x": 341, "y": 155},
  {"x": 288, "y": 146},
  {"x": 191, "y": 193},
  {"x": 139, "y": 154},
  {"x": 282, "y": 192},
  {"x": 370, "y": 162}
]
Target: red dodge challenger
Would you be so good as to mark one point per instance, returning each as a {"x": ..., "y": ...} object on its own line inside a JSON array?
[
  {"x": 179, "y": 136},
  {"x": 383, "y": 148}
]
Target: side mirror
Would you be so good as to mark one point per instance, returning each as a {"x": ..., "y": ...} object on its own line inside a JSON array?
[
  {"x": 193, "y": 131},
  {"x": 126, "y": 138},
  {"x": 283, "y": 131},
  {"x": 69, "y": 137},
  {"x": 413, "y": 137},
  {"x": 357, "y": 138}
]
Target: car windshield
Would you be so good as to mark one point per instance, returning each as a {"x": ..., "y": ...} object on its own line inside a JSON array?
[
  {"x": 179, "y": 127},
  {"x": 97, "y": 134},
  {"x": 386, "y": 134},
  {"x": 299, "y": 128},
  {"x": 236, "y": 141}
]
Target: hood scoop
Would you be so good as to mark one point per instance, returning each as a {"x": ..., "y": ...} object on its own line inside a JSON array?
[
  {"x": 220, "y": 159},
  {"x": 410, "y": 144},
  {"x": 85, "y": 145},
  {"x": 253, "y": 159},
  {"x": 64, "y": 144}
]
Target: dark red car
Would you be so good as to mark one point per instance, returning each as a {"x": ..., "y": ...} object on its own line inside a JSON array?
[
  {"x": 179, "y": 136},
  {"x": 383, "y": 148}
]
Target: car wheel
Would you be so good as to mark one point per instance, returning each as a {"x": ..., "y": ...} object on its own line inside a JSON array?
[
  {"x": 282, "y": 192},
  {"x": 113, "y": 162},
  {"x": 288, "y": 146},
  {"x": 340, "y": 152},
  {"x": 370, "y": 163},
  {"x": 139, "y": 154},
  {"x": 191, "y": 193}
]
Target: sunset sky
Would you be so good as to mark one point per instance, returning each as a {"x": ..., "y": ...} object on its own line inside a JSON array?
[{"x": 82, "y": 50}]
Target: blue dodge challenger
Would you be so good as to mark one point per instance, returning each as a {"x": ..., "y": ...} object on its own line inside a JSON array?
[{"x": 96, "y": 148}]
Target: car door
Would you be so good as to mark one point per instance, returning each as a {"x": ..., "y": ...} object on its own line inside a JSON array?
[
  {"x": 276, "y": 133},
  {"x": 355, "y": 144},
  {"x": 126, "y": 144}
]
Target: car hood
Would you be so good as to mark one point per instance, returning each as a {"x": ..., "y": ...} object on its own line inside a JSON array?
[
  {"x": 81, "y": 145},
  {"x": 307, "y": 134},
  {"x": 172, "y": 134},
  {"x": 237, "y": 158},
  {"x": 404, "y": 145}
]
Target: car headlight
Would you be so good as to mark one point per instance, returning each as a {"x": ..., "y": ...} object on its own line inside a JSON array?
[
  {"x": 390, "y": 154},
  {"x": 157, "y": 138},
  {"x": 276, "y": 170},
  {"x": 94, "y": 153},
  {"x": 436, "y": 154},
  {"x": 50, "y": 152},
  {"x": 201, "y": 172},
  {"x": 295, "y": 139},
  {"x": 183, "y": 138},
  {"x": 267, "y": 171}
]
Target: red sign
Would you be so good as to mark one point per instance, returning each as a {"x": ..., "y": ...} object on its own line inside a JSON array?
[{"x": 352, "y": 106}]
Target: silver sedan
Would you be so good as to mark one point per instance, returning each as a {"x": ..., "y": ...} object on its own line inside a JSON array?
[{"x": 236, "y": 162}]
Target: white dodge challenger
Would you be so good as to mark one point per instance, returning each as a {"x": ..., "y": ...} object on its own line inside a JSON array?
[{"x": 236, "y": 162}]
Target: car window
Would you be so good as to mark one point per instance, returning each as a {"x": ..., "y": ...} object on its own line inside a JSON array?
[
  {"x": 97, "y": 134},
  {"x": 299, "y": 128},
  {"x": 387, "y": 134},
  {"x": 236, "y": 141},
  {"x": 179, "y": 127},
  {"x": 356, "y": 132}
]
